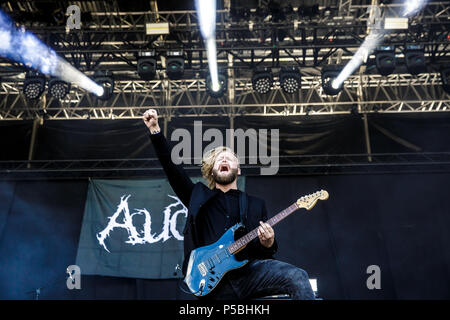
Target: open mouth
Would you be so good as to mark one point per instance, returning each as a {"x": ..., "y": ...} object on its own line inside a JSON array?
[{"x": 224, "y": 168}]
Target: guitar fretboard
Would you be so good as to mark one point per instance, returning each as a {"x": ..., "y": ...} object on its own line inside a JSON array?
[{"x": 243, "y": 241}]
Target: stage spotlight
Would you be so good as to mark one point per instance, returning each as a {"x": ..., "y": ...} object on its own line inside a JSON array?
[
  {"x": 445, "y": 77},
  {"x": 58, "y": 89},
  {"x": 105, "y": 79},
  {"x": 175, "y": 65},
  {"x": 34, "y": 85},
  {"x": 385, "y": 59},
  {"x": 415, "y": 59},
  {"x": 222, "y": 86},
  {"x": 59, "y": 16},
  {"x": 262, "y": 81},
  {"x": 290, "y": 79},
  {"x": 329, "y": 73},
  {"x": 146, "y": 65}
]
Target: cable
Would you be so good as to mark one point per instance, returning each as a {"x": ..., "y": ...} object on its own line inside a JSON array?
[{"x": 189, "y": 292}]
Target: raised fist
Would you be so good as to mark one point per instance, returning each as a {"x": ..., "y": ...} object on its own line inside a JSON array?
[{"x": 150, "y": 118}]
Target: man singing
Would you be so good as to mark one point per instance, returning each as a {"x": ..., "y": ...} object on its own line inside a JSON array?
[{"x": 214, "y": 209}]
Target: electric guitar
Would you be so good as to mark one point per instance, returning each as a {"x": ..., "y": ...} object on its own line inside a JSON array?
[{"x": 207, "y": 265}]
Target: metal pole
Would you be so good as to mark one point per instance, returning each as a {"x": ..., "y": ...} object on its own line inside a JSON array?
[
  {"x": 366, "y": 134},
  {"x": 166, "y": 120},
  {"x": 231, "y": 133},
  {"x": 36, "y": 124}
]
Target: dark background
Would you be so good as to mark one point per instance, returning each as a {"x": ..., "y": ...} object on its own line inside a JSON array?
[{"x": 398, "y": 221}]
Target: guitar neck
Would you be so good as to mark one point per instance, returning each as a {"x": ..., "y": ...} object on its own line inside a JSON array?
[{"x": 243, "y": 241}]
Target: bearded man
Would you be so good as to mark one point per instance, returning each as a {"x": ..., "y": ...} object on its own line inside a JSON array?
[{"x": 215, "y": 208}]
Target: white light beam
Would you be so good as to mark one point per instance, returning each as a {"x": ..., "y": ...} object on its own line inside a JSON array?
[
  {"x": 206, "y": 12},
  {"x": 24, "y": 47}
]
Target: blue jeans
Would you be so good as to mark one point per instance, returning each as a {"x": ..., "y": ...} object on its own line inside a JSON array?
[{"x": 261, "y": 278}]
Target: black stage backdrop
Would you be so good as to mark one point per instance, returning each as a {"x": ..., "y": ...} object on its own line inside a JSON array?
[
  {"x": 399, "y": 222},
  {"x": 119, "y": 139}
]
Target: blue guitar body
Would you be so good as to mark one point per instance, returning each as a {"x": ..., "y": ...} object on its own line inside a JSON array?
[{"x": 208, "y": 264}]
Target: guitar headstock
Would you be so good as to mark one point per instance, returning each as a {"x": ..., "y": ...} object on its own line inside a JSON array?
[{"x": 309, "y": 201}]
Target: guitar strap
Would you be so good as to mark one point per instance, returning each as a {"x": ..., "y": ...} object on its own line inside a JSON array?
[{"x": 243, "y": 206}]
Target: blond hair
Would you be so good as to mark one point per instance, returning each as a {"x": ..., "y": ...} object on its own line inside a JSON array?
[{"x": 209, "y": 158}]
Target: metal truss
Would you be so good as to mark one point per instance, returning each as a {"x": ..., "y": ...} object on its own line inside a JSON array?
[
  {"x": 396, "y": 93},
  {"x": 113, "y": 38},
  {"x": 288, "y": 165},
  {"x": 110, "y": 39}
]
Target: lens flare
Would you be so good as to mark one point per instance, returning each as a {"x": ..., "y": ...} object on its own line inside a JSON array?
[
  {"x": 369, "y": 44},
  {"x": 374, "y": 38},
  {"x": 212, "y": 63},
  {"x": 413, "y": 6},
  {"x": 206, "y": 12},
  {"x": 24, "y": 47}
]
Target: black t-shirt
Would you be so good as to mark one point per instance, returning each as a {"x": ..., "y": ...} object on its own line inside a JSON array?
[{"x": 217, "y": 215}]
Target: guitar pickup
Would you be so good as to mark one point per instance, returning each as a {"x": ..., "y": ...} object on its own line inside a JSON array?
[
  {"x": 202, "y": 268},
  {"x": 216, "y": 258}
]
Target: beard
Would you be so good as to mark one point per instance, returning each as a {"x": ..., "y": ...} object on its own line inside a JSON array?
[{"x": 227, "y": 178}]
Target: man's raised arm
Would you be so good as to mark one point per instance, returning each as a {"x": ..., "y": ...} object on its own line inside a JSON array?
[{"x": 178, "y": 179}]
